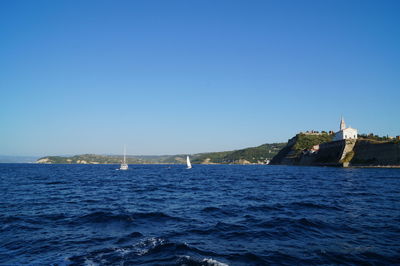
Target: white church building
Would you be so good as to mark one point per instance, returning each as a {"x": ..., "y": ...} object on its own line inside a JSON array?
[{"x": 345, "y": 132}]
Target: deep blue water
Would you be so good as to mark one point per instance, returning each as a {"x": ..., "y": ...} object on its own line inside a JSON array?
[{"x": 209, "y": 215}]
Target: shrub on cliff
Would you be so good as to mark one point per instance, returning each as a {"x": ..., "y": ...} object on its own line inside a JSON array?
[{"x": 305, "y": 141}]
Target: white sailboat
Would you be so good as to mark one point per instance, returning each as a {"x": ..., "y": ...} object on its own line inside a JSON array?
[
  {"x": 124, "y": 165},
  {"x": 189, "y": 165}
]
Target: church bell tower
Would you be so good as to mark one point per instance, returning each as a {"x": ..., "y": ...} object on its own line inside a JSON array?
[{"x": 342, "y": 124}]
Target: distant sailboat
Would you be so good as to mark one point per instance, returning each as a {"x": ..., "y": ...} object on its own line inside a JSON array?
[
  {"x": 124, "y": 165},
  {"x": 189, "y": 165}
]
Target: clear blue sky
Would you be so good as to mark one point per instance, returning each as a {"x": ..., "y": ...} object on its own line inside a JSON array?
[{"x": 170, "y": 77}]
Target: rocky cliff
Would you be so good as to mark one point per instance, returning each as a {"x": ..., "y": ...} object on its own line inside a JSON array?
[
  {"x": 292, "y": 153},
  {"x": 373, "y": 153},
  {"x": 341, "y": 153}
]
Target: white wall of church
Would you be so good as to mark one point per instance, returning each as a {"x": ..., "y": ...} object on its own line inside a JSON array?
[{"x": 348, "y": 133}]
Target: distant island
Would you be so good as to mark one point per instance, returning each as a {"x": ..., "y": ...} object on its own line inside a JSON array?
[{"x": 254, "y": 155}]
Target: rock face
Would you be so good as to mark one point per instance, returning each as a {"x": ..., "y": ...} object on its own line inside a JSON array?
[
  {"x": 375, "y": 153},
  {"x": 329, "y": 154},
  {"x": 299, "y": 150},
  {"x": 334, "y": 153}
]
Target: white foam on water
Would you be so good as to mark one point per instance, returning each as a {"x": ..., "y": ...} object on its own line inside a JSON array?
[
  {"x": 90, "y": 262},
  {"x": 209, "y": 261},
  {"x": 213, "y": 262},
  {"x": 146, "y": 245},
  {"x": 123, "y": 251}
]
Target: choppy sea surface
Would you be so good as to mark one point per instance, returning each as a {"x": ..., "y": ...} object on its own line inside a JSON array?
[{"x": 209, "y": 215}]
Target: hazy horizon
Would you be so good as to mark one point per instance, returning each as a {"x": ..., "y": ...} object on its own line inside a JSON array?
[{"x": 178, "y": 77}]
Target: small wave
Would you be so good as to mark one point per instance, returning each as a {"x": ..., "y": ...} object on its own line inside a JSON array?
[
  {"x": 150, "y": 251},
  {"x": 19, "y": 227},
  {"x": 358, "y": 258},
  {"x": 221, "y": 229},
  {"x": 160, "y": 247},
  {"x": 101, "y": 217},
  {"x": 302, "y": 223},
  {"x": 248, "y": 258},
  {"x": 213, "y": 262},
  {"x": 210, "y": 209},
  {"x": 254, "y": 198},
  {"x": 229, "y": 227},
  {"x": 154, "y": 215},
  {"x": 9, "y": 219},
  {"x": 40, "y": 219},
  {"x": 128, "y": 253},
  {"x": 56, "y": 183},
  {"x": 151, "y": 244},
  {"x": 128, "y": 218},
  {"x": 265, "y": 207},
  {"x": 218, "y": 211},
  {"x": 380, "y": 258},
  {"x": 362, "y": 193},
  {"x": 310, "y": 205},
  {"x": 207, "y": 231},
  {"x": 311, "y": 223},
  {"x": 90, "y": 240},
  {"x": 92, "y": 200},
  {"x": 53, "y": 217},
  {"x": 129, "y": 237}
]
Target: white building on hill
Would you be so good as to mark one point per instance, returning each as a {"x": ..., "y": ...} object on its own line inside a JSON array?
[{"x": 345, "y": 133}]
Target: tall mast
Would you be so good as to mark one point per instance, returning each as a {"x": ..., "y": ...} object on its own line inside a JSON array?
[{"x": 124, "y": 153}]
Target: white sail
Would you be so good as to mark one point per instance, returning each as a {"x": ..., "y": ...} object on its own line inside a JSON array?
[
  {"x": 124, "y": 165},
  {"x": 189, "y": 165}
]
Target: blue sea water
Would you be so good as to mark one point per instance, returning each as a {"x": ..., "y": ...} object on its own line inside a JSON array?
[{"x": 209, "y": 215}]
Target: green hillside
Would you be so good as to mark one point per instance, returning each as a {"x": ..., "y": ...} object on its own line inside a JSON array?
[
  {"x": 249, "y": 155},
  {"x": 305, "y": 141},
  {"x": 257, "y": 154}
]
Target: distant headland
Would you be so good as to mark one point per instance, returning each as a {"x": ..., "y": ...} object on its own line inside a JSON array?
[
  {"x": 344, "y": 148},
  {"x": 255, "y": 155}
]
